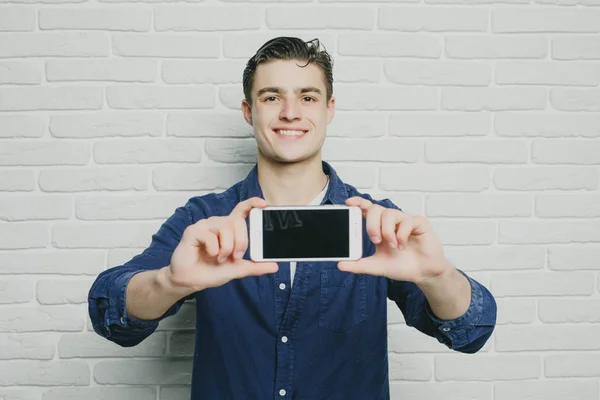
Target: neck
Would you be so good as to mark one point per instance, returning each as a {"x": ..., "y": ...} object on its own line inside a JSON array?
[{"x": 291, "y": 184}]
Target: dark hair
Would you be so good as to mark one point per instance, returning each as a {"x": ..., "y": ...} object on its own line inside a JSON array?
[{"x": 289, "y": 48}]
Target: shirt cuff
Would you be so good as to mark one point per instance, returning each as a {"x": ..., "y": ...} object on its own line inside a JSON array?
[{"x": 455, "y": 333}]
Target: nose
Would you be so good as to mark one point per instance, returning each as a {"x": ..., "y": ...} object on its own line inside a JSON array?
[{"x": 290, "y": 111}]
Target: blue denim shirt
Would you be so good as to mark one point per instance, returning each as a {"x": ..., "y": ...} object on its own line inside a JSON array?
[{"x": 326, "y": 338}]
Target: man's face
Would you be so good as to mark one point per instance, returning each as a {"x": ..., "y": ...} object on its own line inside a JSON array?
[{"x": 289, "y": 112}]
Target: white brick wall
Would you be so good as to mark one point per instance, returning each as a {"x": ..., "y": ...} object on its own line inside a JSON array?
[{"x": 482, "y": 115}]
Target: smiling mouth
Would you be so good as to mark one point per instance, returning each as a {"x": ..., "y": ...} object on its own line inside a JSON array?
[{"x": 289, "y": 132}]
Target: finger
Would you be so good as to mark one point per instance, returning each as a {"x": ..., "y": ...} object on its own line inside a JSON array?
[
  {"x": 389, "y": 221},
  {"x": 374, "y": 223},
  {"x": 358, "y": 201},
  {"x": 240, "y": 241},
  {"x": 409, "y": 226},
  {"x": 363, "y": 266},
  {"x": 243, "y": 208},
  {"x": 226, "y": 238},
  {"x": 244, "y": 268},
  {"x": 209, "y": 241}
]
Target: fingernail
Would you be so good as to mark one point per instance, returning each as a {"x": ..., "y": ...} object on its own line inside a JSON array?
[
  {"x": 392, "y": 245},
  {"x": 221, "y": 260},
  {"x": 239, "y": 254},
  {"x": 375, "y": 239}
]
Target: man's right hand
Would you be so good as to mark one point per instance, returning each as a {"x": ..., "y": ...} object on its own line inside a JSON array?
[{"x": 210, "y": 251}]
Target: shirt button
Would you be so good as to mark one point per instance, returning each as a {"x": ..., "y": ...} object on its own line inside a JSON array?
[
  {"x": 446, "y": 329},
  {"x": 282, "y": 286},
  {"x": 122, "y": 320},
  {"x": 282, "y": 392},
  {"x": 284, "y": 339}
]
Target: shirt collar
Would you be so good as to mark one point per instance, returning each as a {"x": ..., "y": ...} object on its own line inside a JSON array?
[{"x": 336, "y": 193}]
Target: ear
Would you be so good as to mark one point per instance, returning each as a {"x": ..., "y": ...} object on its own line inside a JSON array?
[
  {"x": 330, "y": 110},
  {"x": 247, "y": 111}
]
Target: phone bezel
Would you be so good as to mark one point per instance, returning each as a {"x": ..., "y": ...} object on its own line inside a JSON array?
[{"x": 255, "y": 236}]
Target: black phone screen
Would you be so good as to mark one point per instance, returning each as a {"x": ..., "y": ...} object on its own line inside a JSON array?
[{"x": 306, "y": 233}]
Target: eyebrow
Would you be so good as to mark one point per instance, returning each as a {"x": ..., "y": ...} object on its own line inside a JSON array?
[{"x": 278, "y": 90}]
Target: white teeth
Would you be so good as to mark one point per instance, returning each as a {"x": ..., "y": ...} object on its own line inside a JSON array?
[{"x": 290, "y": 133}]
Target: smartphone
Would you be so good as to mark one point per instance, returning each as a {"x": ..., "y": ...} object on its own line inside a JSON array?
[{"x": 305, "y": 233}]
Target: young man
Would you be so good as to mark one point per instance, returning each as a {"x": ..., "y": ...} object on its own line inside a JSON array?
[{"x": 306, "y": 331}]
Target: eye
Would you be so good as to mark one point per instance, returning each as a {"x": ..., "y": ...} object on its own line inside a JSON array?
[
  {"x": 308, "y": 98},
  {"x": 270, "y": 98}
]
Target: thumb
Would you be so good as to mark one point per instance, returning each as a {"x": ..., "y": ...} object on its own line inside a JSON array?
[
  {"x": 244, "y": 268},
  {"x": 363, "y": 266}
]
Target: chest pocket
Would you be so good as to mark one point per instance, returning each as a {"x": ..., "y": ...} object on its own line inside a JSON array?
[{"x": 343, "y": 299}]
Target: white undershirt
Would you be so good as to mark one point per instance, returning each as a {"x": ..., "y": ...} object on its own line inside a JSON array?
[{"x": 316, "y": 201}]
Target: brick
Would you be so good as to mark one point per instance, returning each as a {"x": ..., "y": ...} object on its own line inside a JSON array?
[
  {"x": 163, "y": 372},
  {"x": 540, "y": 232},
  {"x": 207, "y": 124},
  {"x": 55, "y": 44},
  {"x": 121, "y": 256},
  {"x": 476, "y": 151},
  {"x": 159, "y": 97},
  {"x": 20, "y": 319},
  {"x": 91, "y": 345},
  {"x": 88, "y": 179},
  {"x": 231, "y": 96},
  {"x": 389, "y": 45},
  {"x": 501, "y": 258},
  {"x": 515, "y": 311},
  {"x": 383, "y": 150},
  {"x": 403, "y": 339},
  {"x": 16, "y": 290},
  {"x": 543, "y": 284},
  {"x": 580, "y": 206},
  {"x": 439, "y": 124},
  {"x": 44, "y": 152},
  {"x": 20, "y": 394},
  {"x": 184, "y": 319},
  {"x": 63, "y": 291},
  {"x": 437, "y": 73},
  {"x": 17, "y": 19},
  {"x": 493, "y": 47},
  {"x": 165, "y": 45},
  {"x": 545, "y": 20},
  {"x": 32, "y": 346},
  {"x": 52, "y": 262},
  {"x": 359, "y": 177},
  {"x": 395, "y": 316},
  {"x": 569, "y": 2},
  {"x": 204, "y": 71},
  {"x": 572, "y": 365},
  {"x": 357, "y": 70},
  {"x": 362, "y": 98},
  {"x": 207, "y": 18},
  {"x": 22, "y": 126},
  {"x": 435, "y": 178},
  {"x": 111, "y": 19},
  {"x": 51, "y": 98},
  {"x": 547, "y": 125},
  {"x": 44, "y": 373},
  {"x": 493, "y": 99},
  {"x": 181, "y": 344},
  {"x": 112, "y": 70},
  {"x": 465, "y": 232},
  {"x": 357, "y": 125},
  {"x": 546, "y": 337},
  {"x": 100, "y": 393},
  {"x": 547, "y": 390},
  {"x": 447, "y": 391},
  {"x": 573, "y": 258},
  {"x": 107, "y": 124},
  {"x": 101, "y": 208},
  {"x": 231, "y": 150},
  {"x": 465, "y": 367},
  {"x": 438, "y": 19},
  {"x": 545, "y": 178},
  {"x": 245, "y": 44},
  {"x": 17, "y": 235},
  {"x": 479, "y": 205},
  {"x": 198, "y": 178},
  {"x": 24, "y": 208},
  {"x": 576, "y": 48},
  {"x": 477, "y": 1},
  {"x": 320, "y": 17},
  {"x": 569, "y": 310},
  {"x": 140, "y": 151},
  {"x": 176, "y": 392},
  {"x": 575, "y": 99},
  {"x": 20, "y": 73},
  {"x": 547, "y": 73},
  {"x": 74, "y": 235},
  {"x": 409, "y": 368},
  {"x": 17, "y": 180}
]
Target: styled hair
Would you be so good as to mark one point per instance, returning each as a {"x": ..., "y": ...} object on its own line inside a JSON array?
[{"x": 289, "y": 48}]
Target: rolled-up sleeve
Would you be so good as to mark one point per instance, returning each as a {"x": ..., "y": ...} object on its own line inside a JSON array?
[{"x": 107, "y": 296}]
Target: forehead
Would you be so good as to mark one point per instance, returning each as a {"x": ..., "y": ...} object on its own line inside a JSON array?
[{"x": 288, "y": 74}]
